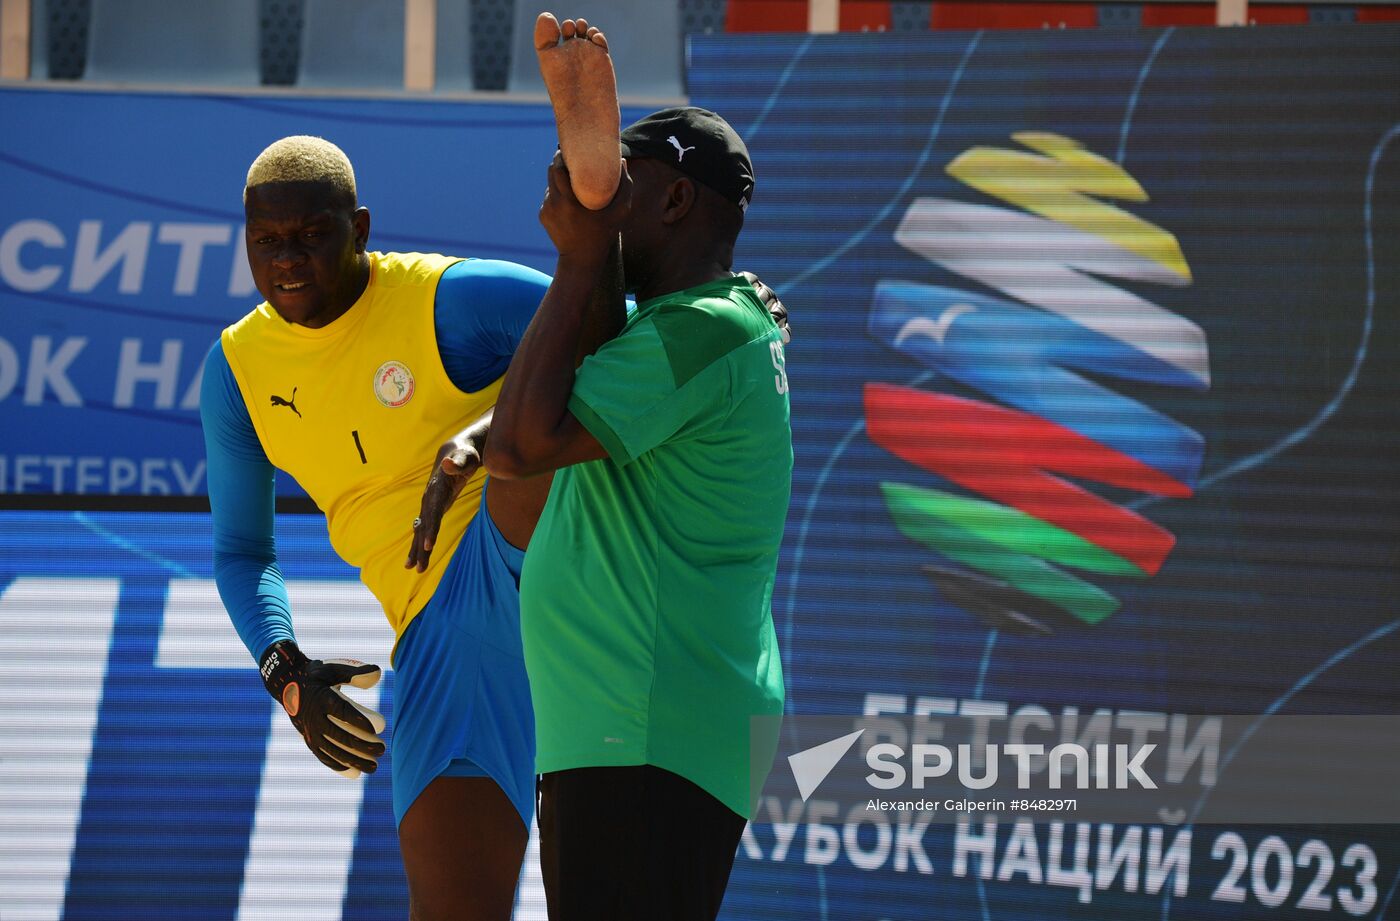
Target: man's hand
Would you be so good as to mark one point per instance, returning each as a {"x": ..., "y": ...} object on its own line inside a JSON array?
[
  {"x": 576, "y": 231},
  {"x": 343, "y": 735},
  {"x": 776, "y": 310},
  {"x": 457, "y": 461}
]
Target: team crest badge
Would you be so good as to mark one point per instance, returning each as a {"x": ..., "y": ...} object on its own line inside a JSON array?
[{"x": 393, "y": 384}]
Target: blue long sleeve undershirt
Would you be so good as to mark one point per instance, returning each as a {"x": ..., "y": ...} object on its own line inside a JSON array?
[{"x": 480, "y": 311}]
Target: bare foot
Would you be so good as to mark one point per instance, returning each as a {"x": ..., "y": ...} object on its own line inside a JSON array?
[{"x": 578, "y": 73}]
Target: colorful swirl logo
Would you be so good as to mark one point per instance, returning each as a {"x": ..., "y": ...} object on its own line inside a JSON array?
[{"x": 1023, "y": 518}]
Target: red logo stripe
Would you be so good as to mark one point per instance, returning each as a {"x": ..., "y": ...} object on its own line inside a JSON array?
[{"x": 1009, "y": 456}]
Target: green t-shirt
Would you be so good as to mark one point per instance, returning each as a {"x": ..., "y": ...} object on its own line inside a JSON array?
[{"x": 646, "y": 594}]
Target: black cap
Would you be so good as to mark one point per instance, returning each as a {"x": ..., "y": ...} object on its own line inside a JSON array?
[{"x": 698, "y": 143}]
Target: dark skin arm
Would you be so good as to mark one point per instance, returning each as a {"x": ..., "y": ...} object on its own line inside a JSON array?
[
  {"x": 533, "y": 431},
  {"x": 456, "y": 461},
  {"x": 606, "y": 312}
]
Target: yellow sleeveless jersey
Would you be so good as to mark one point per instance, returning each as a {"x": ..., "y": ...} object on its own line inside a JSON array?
[{"x": 356, "y": 411}]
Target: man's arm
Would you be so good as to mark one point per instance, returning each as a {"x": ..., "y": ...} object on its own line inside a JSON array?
[
  {"x": 341, "y": 734},
  {"x": 606, "y": 312},
  {"x": 241, "y": 497},
  {"x": 533, "y": 431},
  {"x": 456, "y": 462},
  {"x": 480, "y": 310}
]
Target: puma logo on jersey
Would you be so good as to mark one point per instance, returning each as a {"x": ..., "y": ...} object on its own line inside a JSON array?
[
  {"x": 290, "y": 403},
  {"x": 680, "y": 151}
]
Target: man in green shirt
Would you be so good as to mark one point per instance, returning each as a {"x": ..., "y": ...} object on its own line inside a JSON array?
[{"x": 646, "y": 593}]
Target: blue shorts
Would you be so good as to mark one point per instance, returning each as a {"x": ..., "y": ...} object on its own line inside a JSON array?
[{"x": 461, "y": 698}]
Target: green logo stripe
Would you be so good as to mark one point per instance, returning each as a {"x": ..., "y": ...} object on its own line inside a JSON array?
[
  {"x": 1013, "y": 529},
  {"x": 1009, "y": 545}
]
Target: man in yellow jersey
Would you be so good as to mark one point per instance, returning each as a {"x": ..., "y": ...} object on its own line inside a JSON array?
[{"x": 350, "y": 375}]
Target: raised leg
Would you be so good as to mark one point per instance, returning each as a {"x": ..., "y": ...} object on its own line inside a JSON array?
[{"x": 578, "y": 73}]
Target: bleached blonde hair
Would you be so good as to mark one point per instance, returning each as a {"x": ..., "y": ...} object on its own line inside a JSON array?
[{"x": 302, "y": 158}]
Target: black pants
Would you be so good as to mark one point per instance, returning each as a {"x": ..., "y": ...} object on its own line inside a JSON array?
[{"x": 633, "y": 844}]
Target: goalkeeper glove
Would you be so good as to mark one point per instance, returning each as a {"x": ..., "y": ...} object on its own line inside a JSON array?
[{"x": 343, "y": 735}]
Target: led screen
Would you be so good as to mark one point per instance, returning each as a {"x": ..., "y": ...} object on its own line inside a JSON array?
[
  {"x": 1094, "y": 412},
  {"x": 1095, "y": 415}
]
